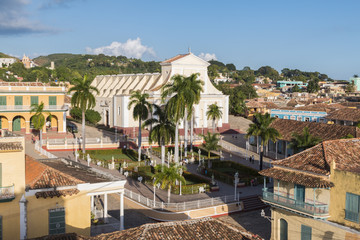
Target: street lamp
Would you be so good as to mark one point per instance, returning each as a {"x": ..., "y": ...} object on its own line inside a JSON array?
[
  {"x": 154, "y": 191},
  {"x": 236, "y": 181},
  {"x": 181, "y": 172},
  {"x": 199, "y": 154},
  {"x": 115, "y": 134}
]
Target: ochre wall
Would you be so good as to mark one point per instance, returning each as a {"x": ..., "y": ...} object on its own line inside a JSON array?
[
  {"x": 77, "y": 214},
  {"x": 344, "y": 182},
  {"x": 13, "y": 172},
  {"x": 321, "y": 230}
]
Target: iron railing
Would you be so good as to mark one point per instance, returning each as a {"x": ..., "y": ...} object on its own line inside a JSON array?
[
  {"x": 7, "y": 193},
  {"x": 315, "y": 209}
]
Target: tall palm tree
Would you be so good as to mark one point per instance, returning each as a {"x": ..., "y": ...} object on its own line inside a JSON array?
[
  {"x": 261, "y": 128},
  {"x": 168, "y": 176},
  {"x": 305, "y": 140},
  {"x": 38, "y": 119},
  {"x": 163, "y": 129},
  {"x": 214, "y": 112},
  {"x": 140, "y": 111},
  {"x": 211, "y": 142},
  {"x": 194, "y": 87},
  {"x": 183, "y": 93},
  {"x": 84, "y": 99}
]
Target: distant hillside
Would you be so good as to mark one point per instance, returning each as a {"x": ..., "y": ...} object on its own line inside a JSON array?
[
  {"x": 57, "y": 58},
  {"x": 3, "y": 55}
]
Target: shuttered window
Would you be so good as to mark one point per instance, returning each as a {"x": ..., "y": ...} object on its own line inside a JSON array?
[
  {"x": 18, "y": 100},
  {"x": 305, "y": 232},
  {"x": 57, "y": 221},
  {"x": 34, "y": 100},
  {"x": 352, "y": 207},
  {"x": 283, "y": 229},
  {"x": 52, "y": 100},
  {"x": 2, "y": 100}
]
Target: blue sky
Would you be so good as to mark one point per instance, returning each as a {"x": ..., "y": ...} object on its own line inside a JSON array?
[{"x": 312, "y": 35}]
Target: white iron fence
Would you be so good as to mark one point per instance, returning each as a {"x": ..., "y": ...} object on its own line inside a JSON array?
[
  {"x": 182, "y": 206},
  {"x": 43, "y": 151}
]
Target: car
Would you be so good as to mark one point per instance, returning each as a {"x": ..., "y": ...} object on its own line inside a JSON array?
[{"x": 71, "y": 127}]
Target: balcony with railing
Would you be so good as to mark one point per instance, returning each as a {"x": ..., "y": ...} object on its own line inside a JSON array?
[
  {"x": 313, "y": 209},
  {"x": 4, "y": 108},
  {"x": 7, "y": 194}
]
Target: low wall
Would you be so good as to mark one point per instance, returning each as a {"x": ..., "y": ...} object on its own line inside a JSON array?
[{"x": 212, "y": 211}]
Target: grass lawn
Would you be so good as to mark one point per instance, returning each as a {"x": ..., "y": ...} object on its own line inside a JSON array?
[{"x": 118, "y": 154}]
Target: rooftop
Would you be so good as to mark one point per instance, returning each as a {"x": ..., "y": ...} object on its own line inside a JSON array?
[
  {"x": 175, "y": 58},
  {"x": 324, "y": 131},
  {"x": 11, "y": 147},
  {"x": 345, "y": 114},
  {"x": 204, "y": 228}
]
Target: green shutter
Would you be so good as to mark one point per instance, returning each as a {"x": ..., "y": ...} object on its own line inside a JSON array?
[
  {"x": 57, "y": 221},
  {"x": 2, "y": 100},
  {"x": 352, "y": 207},
  {"x": 283, "y": 229},
  {"x": 52, "y": 100},
  {"x": 34, "y": 100},
  {"x": 18, "y": 100},
  {"x": 305, "y": 232}
]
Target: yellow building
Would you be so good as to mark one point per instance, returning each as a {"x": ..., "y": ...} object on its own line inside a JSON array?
[
  {"x": 16, "y": 100},
  {"x": 42, "y": 198},
  {"x": 316, "y": 193}
]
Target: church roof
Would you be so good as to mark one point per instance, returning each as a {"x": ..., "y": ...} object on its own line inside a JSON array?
[{"x": 177, "y": 57}]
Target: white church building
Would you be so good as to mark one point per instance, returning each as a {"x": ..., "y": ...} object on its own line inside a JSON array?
[{"x": 115, "y": 91}]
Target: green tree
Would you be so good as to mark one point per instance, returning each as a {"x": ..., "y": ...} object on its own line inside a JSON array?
[
  {"x": 140, "y": 112},
  {"x": 296, "y": 88},
  {"x": 38, "y": 119},
  {"x": 214, "y": 113},
  {"x": 84, "y": 99},
  {"x": 261, "y": 128},
  {"x": 211, "y": 142},
  {"x": 300, "y": 142},
  {"x": 168, "y": 176},
  {"x": 350, "y": 87},
  {"x": 163, "y": 130},
  {"x": 231, "y": 67},
  {"x": 313, "y": 86}
]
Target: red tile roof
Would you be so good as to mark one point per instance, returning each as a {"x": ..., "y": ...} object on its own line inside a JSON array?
[
  {"x": 345, "y": 114},
  {"x": 175, "y": 58},
  {"x": 204, "y": 228},
  {"x": 322, "y": 130},
  {"x": 38, "y": 176},
  {"x": 312, "y": 166},
  {"x": 10, "y": 146}
]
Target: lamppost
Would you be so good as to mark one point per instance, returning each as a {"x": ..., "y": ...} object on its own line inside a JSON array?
[
  {"x": 199, "y": 154},
  {"x": 181, "y": 147},
  {"x": 181, "y": 172},
  {"x": 154, "y": 191},
  {"x": 247, "y": 149},
  {"x": 168, "y": 162},
  {"x": 115, "y": 134},
  {"x": 236, "y": 181}
]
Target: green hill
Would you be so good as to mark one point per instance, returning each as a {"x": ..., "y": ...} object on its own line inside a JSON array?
[{"x": 3, "y": 55}]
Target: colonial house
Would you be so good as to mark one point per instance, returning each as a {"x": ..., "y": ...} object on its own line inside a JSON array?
[
  {"x": 115, "y": 92},
  {"x": 15, "y": 105},
  {"x": 286, "y": 128},
  {"x": 50, "y": 197},
  {"x": 316, "y": 193}
]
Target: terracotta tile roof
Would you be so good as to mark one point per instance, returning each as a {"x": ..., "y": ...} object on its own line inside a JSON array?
[
  {"x": 322, "y": 130},
  {"x": 350, "y": 104},
  {"x": 320, "y": 107},
  {"x": 317, "y": 100},
  {"x": 175, "y": 58},
  {"x": 304, "y": 179},
  {"x": 57, "y": 193},
  {"x": 312, "y": 166},
  {"x": 254, "y": 104},
  {"x": 205, "y": 228},
  {"x": 11, "y": 147},
  {"x": 345, "y": 114},
  {"x": 270, "y": 105},
  {"x": 67, "y": 99},
  {"x": 38, "y": 176},
  {"x": 293, "y": 103}
]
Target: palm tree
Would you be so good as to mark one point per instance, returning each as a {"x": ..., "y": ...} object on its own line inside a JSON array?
[
  {"x": 38, "y": 119},
  {"x": 305, "y": 140},
  {"x": 140, "y": 111},
  {"x": 168, "y": 176},
  {"x": 214, "y": 112},
  {"x": 194, "y": 87},
  {"x": 211, "y": 142},
  {"x": 261, "y": 128},
  {"x": 163, "y": 129},
  {"x": 84, "y": 99}
]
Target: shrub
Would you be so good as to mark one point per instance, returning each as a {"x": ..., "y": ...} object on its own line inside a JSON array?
[
  {"x": 75, "y": 113},
  {"x": 92, "y": 116}
]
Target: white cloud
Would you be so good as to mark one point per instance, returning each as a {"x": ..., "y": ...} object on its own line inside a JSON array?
[
  {"x": 132, "y": 48},
  {"x": 208, "y": 56}
]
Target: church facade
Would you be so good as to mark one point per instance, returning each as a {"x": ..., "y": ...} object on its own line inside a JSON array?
[{"x": 115, "y": 92}]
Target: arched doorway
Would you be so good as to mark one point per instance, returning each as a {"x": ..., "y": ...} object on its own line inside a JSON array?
[
  {"x": 51, "y": 123},
  {"x": 18, "y": 123},
  {"x": 4, "y": 123},
  {"x": 283, "y": 229}
]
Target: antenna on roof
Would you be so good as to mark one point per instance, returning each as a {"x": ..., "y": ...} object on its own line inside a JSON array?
[{"x": 189, "y": 49}]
